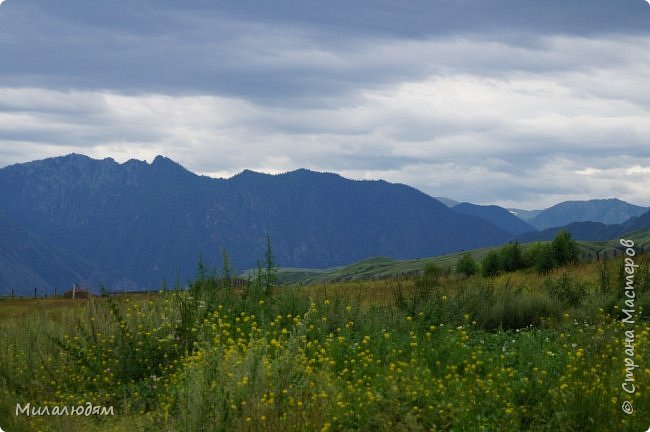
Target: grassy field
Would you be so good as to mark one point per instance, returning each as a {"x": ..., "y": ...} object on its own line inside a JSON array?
[{"x": 519, "y": 351}]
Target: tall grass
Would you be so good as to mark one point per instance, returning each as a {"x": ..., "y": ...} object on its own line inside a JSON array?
[{"x": 520, "y": 351}]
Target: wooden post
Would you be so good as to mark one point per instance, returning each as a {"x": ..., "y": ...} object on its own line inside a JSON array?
[{"x": 74, "y": 290}]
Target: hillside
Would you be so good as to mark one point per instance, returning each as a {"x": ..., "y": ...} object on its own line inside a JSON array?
[
  {"x": 144, "y": 223},
  {"x": 382, "y": 267},
  {"x": 28, "y": 263}
]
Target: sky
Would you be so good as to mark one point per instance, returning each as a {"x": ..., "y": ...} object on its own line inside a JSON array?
[{"x": 518, "y": 103}]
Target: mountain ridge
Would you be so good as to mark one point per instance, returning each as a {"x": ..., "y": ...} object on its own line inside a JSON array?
[
  {"x": 606, "y": 211},
  {"x": 144, "y": 223},
  {"x": 136, "y": 224},
  {"x": 591, "y": 231}
]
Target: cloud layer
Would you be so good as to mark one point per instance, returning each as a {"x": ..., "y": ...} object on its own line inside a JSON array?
[{"x": 517, "y": 106}]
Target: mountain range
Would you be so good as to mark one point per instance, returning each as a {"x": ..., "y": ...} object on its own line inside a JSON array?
[
  {"x": 141, "y": 224},
  {"x": 606, "y": 211},
  {"x": 73, "y": 219},
  {"x": 590, "y": 231}
]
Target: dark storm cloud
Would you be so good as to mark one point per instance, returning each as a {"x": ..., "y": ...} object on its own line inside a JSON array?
[{"x": 268, "y": 50}]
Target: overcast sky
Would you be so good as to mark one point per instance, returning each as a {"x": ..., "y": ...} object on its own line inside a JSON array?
[{"x": 514, "y": 102}]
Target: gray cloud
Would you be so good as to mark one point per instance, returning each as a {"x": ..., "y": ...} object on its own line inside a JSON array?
[
  {"x": 514, "y": 102},
  {"x": 264, "y": 50}
]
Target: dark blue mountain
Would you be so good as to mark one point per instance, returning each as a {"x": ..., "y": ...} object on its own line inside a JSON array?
[
  {"x": 144, "y": 223},
  {"x": 29, "y": 263},
  {"x": 637, "y": 223},
  {"x": 497, "y": 216}
]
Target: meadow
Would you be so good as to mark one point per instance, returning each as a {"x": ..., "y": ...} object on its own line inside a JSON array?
[{"x": 440, "y": 351}]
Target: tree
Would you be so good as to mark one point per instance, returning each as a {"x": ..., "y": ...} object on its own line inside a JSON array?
[
  {"x": 491, "y": 265},
  {"x": 227, "y": 272},
  {"x": 269, "y": 276},
  {"x": 511, "y": 257},
  {"x": 565, "y": 249},
  {"x": 466, "y": 265},
  {"x": 541, "y": 257}
]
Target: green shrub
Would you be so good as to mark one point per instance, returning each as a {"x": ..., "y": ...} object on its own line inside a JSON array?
[
  {"x": 466, "y": 265},
  {"x": 120, "y": 351},
  {"x": 491, "y": 264},
  {"x": 512, "y": 308},
  {"x": 511, "y": 258},
  {"x": 541, "y": 258}
]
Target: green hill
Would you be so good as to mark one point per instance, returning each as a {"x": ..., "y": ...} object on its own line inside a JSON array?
[{"x": 382, "y": 267}]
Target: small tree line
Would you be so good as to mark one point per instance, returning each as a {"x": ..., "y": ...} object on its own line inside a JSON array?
[{"x": 543, "y": 257}]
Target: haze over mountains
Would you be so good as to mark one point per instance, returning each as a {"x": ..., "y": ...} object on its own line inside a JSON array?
[{"x": 134, "y": 225}]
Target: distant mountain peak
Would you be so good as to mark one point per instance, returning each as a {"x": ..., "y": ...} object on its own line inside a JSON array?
[
  {"x": 250, "y": 172},
  {"x": 73, "y": 157},
  {"x": 169, "y": 166},
  {"x": 247, "y": 174},
  {"x": 606, "y": 211},
  {"x": 160, "y": 159},
  {"x": 304, "y": 172}
]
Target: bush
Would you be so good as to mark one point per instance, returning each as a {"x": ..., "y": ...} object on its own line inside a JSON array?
[
  {"x": 511, "y": 258},
  {"x": 541, "y": 258},
  {"x": 491, "y": 264},
  {"x": 515, "y": 309},
  {"x": 120, "y": 352},
  {"x": 466, "y": 265}
]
